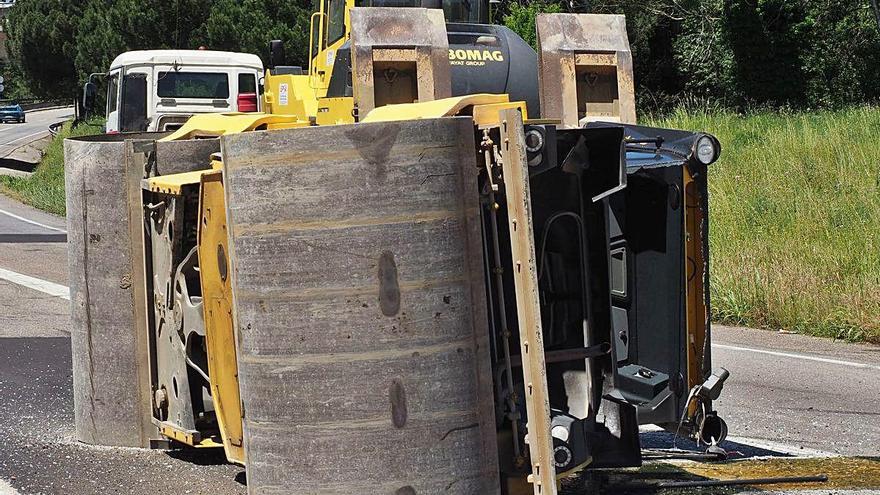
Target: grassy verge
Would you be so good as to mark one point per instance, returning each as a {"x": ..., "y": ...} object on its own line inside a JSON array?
[
  {"x": 44, "y": 189},
  {"x": 795, "y": 219}
]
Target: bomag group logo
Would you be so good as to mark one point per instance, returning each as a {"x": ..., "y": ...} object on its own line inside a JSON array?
[{"x": 474, "y": 57}]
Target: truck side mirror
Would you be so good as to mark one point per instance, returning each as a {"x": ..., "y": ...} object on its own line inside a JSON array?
[
  {"x": 90, "y": 92},
  {"x": 276, "y": 53}
]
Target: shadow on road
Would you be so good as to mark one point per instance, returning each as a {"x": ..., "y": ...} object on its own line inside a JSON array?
[
  {"x": 735, "y": 450},
  {"x": 19, "y": 165},
  {"x": 200, "y": 457}
]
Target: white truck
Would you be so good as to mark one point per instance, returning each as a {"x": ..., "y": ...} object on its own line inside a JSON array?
[{"x": 158, "y": 90}]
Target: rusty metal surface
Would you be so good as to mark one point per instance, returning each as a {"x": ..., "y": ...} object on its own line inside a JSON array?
[
  {"x": 413, "y": 35},
  {"x": 360, "y": 309},
  {"x": 567, "y": 45}
]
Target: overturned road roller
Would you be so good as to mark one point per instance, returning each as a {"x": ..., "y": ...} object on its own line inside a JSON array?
[{"x": 443, "y": 296}]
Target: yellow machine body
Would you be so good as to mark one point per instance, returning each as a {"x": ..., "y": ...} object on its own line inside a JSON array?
[{"x": 217, "y": 299}]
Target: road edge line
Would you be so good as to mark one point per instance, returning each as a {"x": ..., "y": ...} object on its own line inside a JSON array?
[
  {"x": 38, "y": 284},
  {"x": 32, "y": 222},
  {"x": 805, "y": 357}
]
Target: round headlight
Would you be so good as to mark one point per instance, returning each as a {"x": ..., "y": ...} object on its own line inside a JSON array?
[
  {"x": 706, "y": 150},
  {"x": 559, "y": 432},
  {"x": 534, "y": 140}
]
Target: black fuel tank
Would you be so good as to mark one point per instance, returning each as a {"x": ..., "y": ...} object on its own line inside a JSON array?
[
  {"x": 488, "y": 58},
  {"x": 480, "y": 56}
]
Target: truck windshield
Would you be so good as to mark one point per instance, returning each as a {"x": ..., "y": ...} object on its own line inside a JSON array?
[
  {"x": 134, "y": 103},
  {"x": 453, "y": 10},
  {"x": 193, "y": 85}
]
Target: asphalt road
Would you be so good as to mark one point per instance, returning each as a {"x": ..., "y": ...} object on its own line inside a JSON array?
[
  {"x": 788, "y": 395},
  {"x": 14, "y": 136}
]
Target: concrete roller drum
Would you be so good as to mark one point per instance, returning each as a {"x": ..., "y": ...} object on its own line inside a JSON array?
[
  {"x": 360, "y": 309},
  {"x": 109, "y": 359},
  {"x": 110, "y": 350}
]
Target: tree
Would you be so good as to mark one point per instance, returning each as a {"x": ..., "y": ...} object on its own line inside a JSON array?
[
  {"x": 108, "y": 28},
  {"x": 739, "y": 52},
  {"x": 111, "y": 27},
  {"x": 42, "y": 44},
  {"x": 249, "y": 25},
  {"x": 521, "y": 18}
]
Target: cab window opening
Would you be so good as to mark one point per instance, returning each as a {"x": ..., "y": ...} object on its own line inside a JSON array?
[
  {"x": 336, "y": 21},
  {"x": 134, "y": 103},
  {"x": 112, "y": 92},
  {"x": 193, "y": 85}
]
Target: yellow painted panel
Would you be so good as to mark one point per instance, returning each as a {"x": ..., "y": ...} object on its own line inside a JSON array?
[
  {"x": 218, "y": 124},
  {"x": 333, "y": 111},
  {"x": 444, "y": 107},
  {"x": 695, "y": 303},
  {"x": 489, "y": 114},
  {"x": 288, "y": 94},
  {"x": 172, "y": 184},
  {"x": 191, "y": 438},
  {"x": 214, "y": 273}
]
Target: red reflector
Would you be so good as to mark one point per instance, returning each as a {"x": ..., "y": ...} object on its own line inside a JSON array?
[
  {"x": 247, "y": 102},
  {"x": 112, "y": 132}
]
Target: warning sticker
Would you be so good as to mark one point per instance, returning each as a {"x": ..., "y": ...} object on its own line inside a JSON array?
[{"x": 282, "y": 94}]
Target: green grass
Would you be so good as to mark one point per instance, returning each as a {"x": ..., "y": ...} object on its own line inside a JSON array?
[
  {"x": 44, "y": 189},
  {"x": 795, "y": 219}
]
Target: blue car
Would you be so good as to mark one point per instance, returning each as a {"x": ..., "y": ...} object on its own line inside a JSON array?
[{"x": 11, "y": 113}]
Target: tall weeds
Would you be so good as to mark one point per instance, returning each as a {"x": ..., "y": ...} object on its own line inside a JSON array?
[
  {"x": 44, "y": 189},
  {"x": 795, "y": 219}
]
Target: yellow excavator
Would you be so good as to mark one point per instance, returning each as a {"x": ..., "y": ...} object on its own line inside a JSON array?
[{"x": 438, "y": 261}]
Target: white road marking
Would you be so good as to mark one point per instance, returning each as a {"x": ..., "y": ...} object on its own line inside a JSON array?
[
  {"x": 6, "y": 488},
  {"x": 39, "y": 284},
  {"x": 32, "y": 222},
  {"x": 805, "y": 357},
  {"x": 9, "y": 143}
]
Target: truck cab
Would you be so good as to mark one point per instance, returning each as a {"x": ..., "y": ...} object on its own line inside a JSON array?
[{"x": 159, "y": 90}]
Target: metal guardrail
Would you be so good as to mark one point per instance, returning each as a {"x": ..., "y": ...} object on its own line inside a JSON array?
[{"x": 55, "y": 128}]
